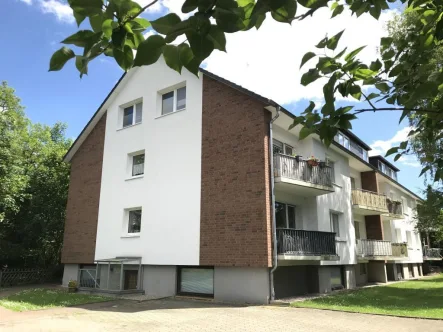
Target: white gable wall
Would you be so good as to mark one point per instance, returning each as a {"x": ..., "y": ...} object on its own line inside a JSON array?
[{"x": 169, "y": 191}]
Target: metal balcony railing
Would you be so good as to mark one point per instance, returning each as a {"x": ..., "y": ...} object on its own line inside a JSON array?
[
  {"x": 373, "y": 248},
  {"x": 305, "y": 243},
  {"x": 431, "y": 252},
  {"x": 369, "y": 199},
  {"x": 297, "y": 169}
]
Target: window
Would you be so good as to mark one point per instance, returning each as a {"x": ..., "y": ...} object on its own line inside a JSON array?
[
  {"x": 138, "y": 164},
  {"x": 174, "y": 101},
  {"x": 288, "y": 150},
  {"x": 357, "y": 230},
  {"x": 335, "y": 224},
  {"x": 134, "y": 221},
  {"x": 352, "y": 183},
  {"x": 132, "y": 115},
  {"x": 196, "y": 280},
  {"x": 277, "y": 146},
  {"x": 285, "y": 215},
  {"x": 346, "y": 142},
  {"x": 331, "y": 164},
  {"x": 362, "y": 269}
]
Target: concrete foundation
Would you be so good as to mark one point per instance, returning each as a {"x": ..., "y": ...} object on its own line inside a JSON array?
[
  {"x": 159, "y": 281},
  {"x": 405, "y": 271},
  {"x": 241, "y": 285},
  {"x": 361, "y": 274},
  {"x": 420, "y": 270},
  {"x": 377, "y": 272},
  {"x": 324, "y": 279},
  {"x": 415, "y": 269},
  {"x": 350, "y": 277},
  {"x": 70, "y": 273}
]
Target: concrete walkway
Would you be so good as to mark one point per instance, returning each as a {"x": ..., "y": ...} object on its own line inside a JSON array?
[{"x": 185, "y": 315}]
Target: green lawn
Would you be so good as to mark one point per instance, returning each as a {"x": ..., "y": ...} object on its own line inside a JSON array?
[
  {"x": 35, "y": 299},
  {"x": 416, "y": 298}
]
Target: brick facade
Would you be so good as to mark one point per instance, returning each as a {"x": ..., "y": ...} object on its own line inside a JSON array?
[
  {"x": 235, "y": 227},
  {"x": 83, "y": 198}
]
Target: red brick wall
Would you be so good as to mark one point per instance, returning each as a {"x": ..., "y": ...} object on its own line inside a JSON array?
[
  {"x": 235, "y": 228},
  {"x": 83, "y": 198}
]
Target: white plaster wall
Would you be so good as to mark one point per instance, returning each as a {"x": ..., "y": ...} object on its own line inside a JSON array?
[{"x": 169, "y": 191}]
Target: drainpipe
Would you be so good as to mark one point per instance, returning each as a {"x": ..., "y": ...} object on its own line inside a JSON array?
[{"x": 274, "y": 225}]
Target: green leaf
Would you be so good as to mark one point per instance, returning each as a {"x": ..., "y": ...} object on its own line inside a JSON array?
[
  {"x": 310, "y": 77},
  {"x": 188, "y": 59},
  {"x": 308, "y": 56},
  {"x": 373, "y": 95},
  {"x": 310, "y": 108},
  {"x": 79, "y": 18},
  {"x": 386, "y": 41},
  {"x": 424, "y": 170},
  {"x": 352, "y": 54},
  {"x": 340, "y": 54},
  {"x": 355, "y": 91},
  {"x": 375, "y": 65},
  {"x": 107, "y": 27},
  {"x": 228, "y": 20},
  {"x": 149, "y": 50},
  {"x": 81, "y": 63},
  {"x": 189, "y": 6},
  {"x": 164, "y": 24},
  {"x": 305, "y": 132},
  {"x": 338, "y": 10},
  {"x": 383, "y": 87},
  {"x": 217, "y": 36},
  {"x": 119, "y": 37},
  {"x": 286, "y": 12},
  {"x": 333, "y": 41},
  {"x": 201, "y": 46},
  {"x": 396, "y": 70},
  {"x": 439, "y": 30},
  {"x": 429, "y": 40},
  {"x": 403, "y": 145},
  {"x": 80, "y": 38},
  {"x": 172, "y": 57},
  {"x": 142, "y": 22},
  {"x": 375, "y": 11},
  {"x": 322, "y": 43},
  {"x": 397, "y": 157},
  {"x": 96, "y": 22},
  {"x": 59, "y": 58},
  {"x": 86, "y": 7},
  {"x": 391, "y": 151},
  {"x": 124, "y": 58}
]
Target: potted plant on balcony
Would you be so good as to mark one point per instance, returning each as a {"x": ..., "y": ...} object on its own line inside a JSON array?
[
  {"x": 312, "y": 161},
  {"x": 72, "y": 286}
]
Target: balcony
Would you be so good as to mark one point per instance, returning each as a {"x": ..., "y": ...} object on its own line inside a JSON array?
[
  {"x": 431, "y": 254},
  {"x": 395, "y": 210},
  {"x": 368, "y": 203},
  {"x": 310, "y": 180},
  {"x": 297, "y": 245},
  {"x": 381, "y": 250}
]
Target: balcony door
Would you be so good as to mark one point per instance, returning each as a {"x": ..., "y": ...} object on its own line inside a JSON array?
[{"x": 286, "y": 216}]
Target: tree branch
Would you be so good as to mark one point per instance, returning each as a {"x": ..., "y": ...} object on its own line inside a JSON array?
[
  {"x": 393, "y": 109},
  {"x": 144, "y": 8}
]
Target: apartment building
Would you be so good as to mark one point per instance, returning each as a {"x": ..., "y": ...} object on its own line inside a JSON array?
[{"x": 186, "y": 185}]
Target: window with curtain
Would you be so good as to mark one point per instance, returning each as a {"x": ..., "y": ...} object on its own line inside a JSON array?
[
  {"x": 134, "y": 221},
  {"x": 138, "y": 164}
]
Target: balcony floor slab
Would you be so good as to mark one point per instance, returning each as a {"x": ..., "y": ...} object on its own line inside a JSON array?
[
  {"x": 368, "y": 210},
  {"x": 302, "y": 188},
  {"x": 290, "y": 259}
]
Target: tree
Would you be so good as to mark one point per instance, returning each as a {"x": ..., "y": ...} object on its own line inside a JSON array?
[
  {"x": 430, "y": 216},
  {"x": 34, "y": 185},
  {"x": 384, "y": 84}
]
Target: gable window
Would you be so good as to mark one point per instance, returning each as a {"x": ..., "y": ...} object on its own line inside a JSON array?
[
  {"x": 285, "y": 215},
  {"x": 132, "y": 115},
  {"x": 138, "y": 164},
  {"x": 134, "y": 221},
  {"x": 174, "y": 101},
  {"x": 335, "y": 223}
]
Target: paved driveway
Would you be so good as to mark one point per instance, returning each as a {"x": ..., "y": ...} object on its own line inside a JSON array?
[{"x": 183, "y": 315}]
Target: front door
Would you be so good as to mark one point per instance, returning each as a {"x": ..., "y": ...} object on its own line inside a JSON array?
[{"x": 131, "y": 278}]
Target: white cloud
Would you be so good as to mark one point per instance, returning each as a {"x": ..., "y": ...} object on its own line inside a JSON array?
[
  {"x": 267, "y": 60},
  {"x": 28, "y": 2},
  {"x": 380, "y": 147},
  {"x": 61, "y": 10}
]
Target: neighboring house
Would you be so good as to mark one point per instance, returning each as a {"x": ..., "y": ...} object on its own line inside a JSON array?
[{"x": 171, "y": 192}]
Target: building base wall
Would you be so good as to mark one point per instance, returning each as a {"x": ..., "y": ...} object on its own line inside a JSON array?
[
  {"x": 295, "y": 280},
  {"x": 415, "y": 269},
  {"x": 241, "y": 285},
  {"x": 70, "y": 272},
  {"x": 324, "y": 279},
  {"x": 377, "y": 272},
  {"x": 420, "y": 270},
  {"x": 350, "y": 277},
  {"x": 405, "y": 271},
  {"x": 160, "y": 281},
  {"x": 361, "y": 273}
]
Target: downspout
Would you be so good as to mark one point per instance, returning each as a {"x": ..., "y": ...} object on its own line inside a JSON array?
[{"x": 274, "y": 225}]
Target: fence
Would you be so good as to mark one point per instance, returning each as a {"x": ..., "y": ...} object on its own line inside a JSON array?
[
  {"x": 297, "y": 169},
  {"x": 305, "y": 243},
  {"x": 369, "y": 199},
  {"x": 374, "y": 248},
  {"x": 20, "y": 276}
]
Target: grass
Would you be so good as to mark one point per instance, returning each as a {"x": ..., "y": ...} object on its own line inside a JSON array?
[
  {"x": 35, "y": 299},
  {"x": 416, "y": 298}
]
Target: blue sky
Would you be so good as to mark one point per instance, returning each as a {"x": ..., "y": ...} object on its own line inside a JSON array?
[{"x": 62, "y": 96}]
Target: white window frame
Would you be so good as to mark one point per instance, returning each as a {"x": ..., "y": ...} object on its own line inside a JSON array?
[
  {"x": 174, "y": 100},
  {"x": 125, "y": 230},
  {"x": 331, "y": 213},
  {"x": 287, "y": 214},
  {"x": 134, "y": 113},
  {"x": 130, "y": 164},
  {"x": 283, "y": 147}
]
